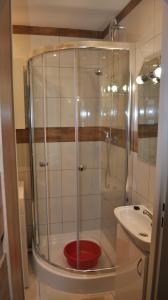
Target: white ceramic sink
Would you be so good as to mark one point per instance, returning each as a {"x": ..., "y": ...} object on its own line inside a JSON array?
[{"x": 137, "y": 224}]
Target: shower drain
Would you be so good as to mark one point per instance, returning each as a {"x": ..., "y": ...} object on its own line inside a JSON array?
[{"x": 143, "y": 234}]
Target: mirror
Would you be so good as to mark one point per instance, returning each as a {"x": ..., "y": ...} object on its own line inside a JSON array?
[{"x": 148, "y": 101}]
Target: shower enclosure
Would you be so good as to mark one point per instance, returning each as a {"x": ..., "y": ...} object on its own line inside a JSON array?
[{"x": 79, "y": 138}]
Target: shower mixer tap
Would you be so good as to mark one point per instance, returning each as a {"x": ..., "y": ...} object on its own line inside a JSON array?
[
  {"x": 109, "y": 139},
  {"x": 82, "y": 168},
  {"x": 43, "y": 164}
]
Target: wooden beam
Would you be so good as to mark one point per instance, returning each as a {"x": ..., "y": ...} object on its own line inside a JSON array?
[
  {"x": 54, "y": 31},
  {"x": 127, "y": 9},
  {"x": 70, "y": 32}
]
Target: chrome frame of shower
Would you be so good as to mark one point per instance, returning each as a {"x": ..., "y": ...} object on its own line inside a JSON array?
[{"x": 104, "y": 45}]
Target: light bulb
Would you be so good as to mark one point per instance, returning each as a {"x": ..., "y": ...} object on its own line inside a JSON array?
[
  {"x": 139, "y": 80},
  {"x": 157, "y": 72},
  {"x": 155, "y": 80},
  {"x": 125, "y": 88},
  {"x": 108, "y": 88},
  {"x": 114, "y": 88}
]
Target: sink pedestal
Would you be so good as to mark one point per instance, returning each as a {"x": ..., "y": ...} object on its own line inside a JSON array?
[{"x": 133, "y": 262}]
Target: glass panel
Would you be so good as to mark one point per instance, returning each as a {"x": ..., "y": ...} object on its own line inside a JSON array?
[
  {"x": 103, "y": 101},
  {"x": 38, "y": 155}
]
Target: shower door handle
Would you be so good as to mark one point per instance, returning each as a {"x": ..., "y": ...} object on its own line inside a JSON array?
[
  {"x": 43, "y": 164},
  {"x": 82, "y": 168}
]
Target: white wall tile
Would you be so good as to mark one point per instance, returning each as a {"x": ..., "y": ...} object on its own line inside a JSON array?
[
  {"x": 90, "y": 207},
  {"x": 56, "y": 228},
  {"x": 53, "y": 112},
  {"x": 69, "y": 187},
  {"x": 69, "y": 227},
  {"x": 39, "y": 154},
  {"x": 69, "y": 209},
  {"x": 54, "y": 156},
  {"x": 89, "y": 113},
  {"x": 41, "y": 184},
  {"x": 52, "y": 82},
  {"x": 67, "y": 82},
  {"x": 54, "y": 183},
  {"x": 88, "y": 78},
  {"x": 67, "y": 112},
  {"x": 89, "y": 154},
  {"x": 37, "y": 78},
  {"x": 38, "y": 112},
  {"x": 51, "y": 59},
  {"x": 68, "y": 150},
  {"x": 67, "y": 58},
  {"x": 140, "y": 177},
  {"x": 90, "y": 224},
  {"x": 55, "y": 204},
  {"x": 88, "y": 58},
  {"x": 90, "y": 182},
  {"x": 152, "y": 184},
  {"x": 42, "y": 211}
]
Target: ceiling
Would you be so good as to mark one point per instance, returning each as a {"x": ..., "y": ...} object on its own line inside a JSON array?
[{"x": 77, "y": 14}]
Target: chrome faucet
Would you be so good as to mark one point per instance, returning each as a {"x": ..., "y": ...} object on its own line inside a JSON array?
[
  {"x": 146, "y": 212},
  {"x": 109, "y": 139}
]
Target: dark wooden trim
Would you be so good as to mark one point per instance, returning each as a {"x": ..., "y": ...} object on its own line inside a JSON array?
[
  {"x": 134, "y": 141},
  {"x": 22, "y": 136},
  {"x": 67, "y": 134},
  {"x": 9, "y": 152},
  {"x": 147, "y": 131},
  {"x": 53, "y": 31},
  {"x": 122, "y": 14},
  {"x": 127, "y": 9}
]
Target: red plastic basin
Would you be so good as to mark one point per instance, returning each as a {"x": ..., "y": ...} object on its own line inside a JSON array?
[{"x": 89, "y": 253}]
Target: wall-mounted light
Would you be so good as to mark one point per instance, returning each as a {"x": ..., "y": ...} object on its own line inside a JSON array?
[
  {"x": 114, "y": 88},
  {"x": 125, "y": 88},
  {"x": 157, "y": 72},
  {"x": 155, "y": 80},
  {"x": 108, "y": 88},
  {"x": 141, "y": 79}
]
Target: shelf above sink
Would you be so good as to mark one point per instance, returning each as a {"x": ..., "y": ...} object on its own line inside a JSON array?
[{"x": 136, "y": 223}]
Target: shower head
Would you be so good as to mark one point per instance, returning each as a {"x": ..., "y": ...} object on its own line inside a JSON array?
[
  {"x": 114, "y": 28},
  {"x": 98, "y": 72}
]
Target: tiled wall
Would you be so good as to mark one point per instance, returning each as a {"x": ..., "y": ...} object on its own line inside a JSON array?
[{"x": 143, "y": 27}]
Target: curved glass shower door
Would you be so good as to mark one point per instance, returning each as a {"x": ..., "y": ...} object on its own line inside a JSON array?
[
  {"x": 103, "y": 98},
  {"x": 39, "y": 156},
  {"x": 79, "y": 129}
]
